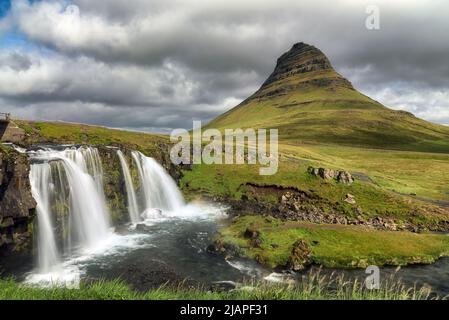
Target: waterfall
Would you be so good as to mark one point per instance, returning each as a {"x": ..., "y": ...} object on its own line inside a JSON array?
[
  {"x": 133, "y": 208},
  {"x": 159, "y": 189},
  {"x": 72, "y": 215},
  {"x": 88, "y": 159},
  {"x": 70, "y": 179},
  {"x": 41, "y": 187}
]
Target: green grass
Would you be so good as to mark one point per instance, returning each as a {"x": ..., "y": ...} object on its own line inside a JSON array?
[
  {"x": 3, "y": 149},
  {"x": 315, "y": 287},
  {"x": 338, "y": 116},
  {"x": 228, "y": 181},
  {"x": 59, "y": 132},
  {"x": 399, "y": 170},
  {"x": 334, "y": 246},
  {"x": 403, "y": 171},
  {"x": 332, "y": 113}
]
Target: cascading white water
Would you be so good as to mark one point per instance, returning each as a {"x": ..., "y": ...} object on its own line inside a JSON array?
[
  {"x": 88, "y": 208},
  {"x": 41, "y": 187},
  {"x": 88, "y": 159},
  {"x": 77, "y": 173},
  {"x": 133, "y": 208},
  {"x": 72, "y": 213},
  {"x": 159, "y": 189}
]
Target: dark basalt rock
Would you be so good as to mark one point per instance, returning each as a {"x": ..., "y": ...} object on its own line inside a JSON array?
[
  {"x": 300, "y": 256},
  {"x": 251, "y": 233},
  {"x": 17, "y": 205},
  {"x": 229, "y": 250},
  {"x": 223, "y": 286},
  {"x": 141, "y": 227},
  {"x": 295, "y": 204},
  {"x": 301, "y": 67}
]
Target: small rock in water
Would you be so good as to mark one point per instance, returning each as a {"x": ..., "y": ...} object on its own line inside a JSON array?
[
  {"x": 223, "y": 286},
  {"x": 212, "y": 248},
  {"x": 151, "y": 213},
  {"x": 141, "y": 227}
]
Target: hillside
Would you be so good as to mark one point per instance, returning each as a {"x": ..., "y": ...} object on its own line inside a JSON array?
[
  {"x": 322, "y": 216},
  {"x": 309, "y": 102}
]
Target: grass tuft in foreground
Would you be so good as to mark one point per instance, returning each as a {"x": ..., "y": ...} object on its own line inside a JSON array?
[{"x": 313, "y": 287}]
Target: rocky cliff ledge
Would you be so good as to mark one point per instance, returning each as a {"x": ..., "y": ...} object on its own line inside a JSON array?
[
  {"x": 302, "y": 67},
  {"x": 17, "y": 206}
]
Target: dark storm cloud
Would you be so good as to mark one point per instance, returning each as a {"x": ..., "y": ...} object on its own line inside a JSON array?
[{"x": 160, "y": 64}]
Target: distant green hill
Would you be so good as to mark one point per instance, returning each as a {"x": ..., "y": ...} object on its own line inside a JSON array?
[{"x": 308, "y": 101}]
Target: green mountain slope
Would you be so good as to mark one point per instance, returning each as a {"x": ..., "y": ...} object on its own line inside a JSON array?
[{"x": 308, "y": 101}]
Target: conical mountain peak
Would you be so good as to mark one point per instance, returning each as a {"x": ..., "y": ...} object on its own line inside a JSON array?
[{"x": 303, "y": 66}]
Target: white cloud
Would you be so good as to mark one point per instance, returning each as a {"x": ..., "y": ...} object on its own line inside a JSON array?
[
  {"x": 57, "y": 77},
  {"x": 161, "y": 63},
  {"x": 429, "y": 104}
]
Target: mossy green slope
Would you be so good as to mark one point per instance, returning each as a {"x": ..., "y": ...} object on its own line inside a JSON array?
[
  {"x": 334, "y": 246},
  {"x": 309, "y": 102},
  {"x": 65, "y": 133}
]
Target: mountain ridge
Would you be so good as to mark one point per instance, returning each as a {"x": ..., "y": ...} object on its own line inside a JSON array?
[{"x": 308, "y": 101}]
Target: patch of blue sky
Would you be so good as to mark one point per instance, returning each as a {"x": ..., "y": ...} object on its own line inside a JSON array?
[
  {"x": 13, "y": 39},
  {"x": 5, "y": 5}
]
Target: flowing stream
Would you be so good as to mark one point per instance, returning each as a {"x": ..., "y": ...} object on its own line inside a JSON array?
[
  {"x": 165, "y": 238},
  {"x": 74, "y": 228}
]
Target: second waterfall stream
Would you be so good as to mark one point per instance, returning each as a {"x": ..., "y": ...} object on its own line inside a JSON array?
[{"x": 72, "y": 211}]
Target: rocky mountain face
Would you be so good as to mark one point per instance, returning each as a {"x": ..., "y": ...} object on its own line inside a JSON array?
[
  {"x": 17, "y": 206},
  {"x": 301, "y": 67},
  {"x": 309, "y": 102}
]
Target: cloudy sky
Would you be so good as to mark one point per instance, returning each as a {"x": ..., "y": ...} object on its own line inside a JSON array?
[{"x": 155, "y": 65}]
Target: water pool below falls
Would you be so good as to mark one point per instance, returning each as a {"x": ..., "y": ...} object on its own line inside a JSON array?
[{"x": 171, "y": 238}]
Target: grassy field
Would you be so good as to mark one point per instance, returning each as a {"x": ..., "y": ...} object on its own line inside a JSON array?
[
  {"x": 338, "y": 116},
  {"x": 384, "y": 175},
  {"x": 333, "y": 246},
  {"x": 399, "y": 161},
  {"x": 405, "y": 172},
  {"x": 373, "y": 200},
  {"x": 60, "y": 132},
  {"x": 316, "y": 287},
  {"x": 381, "y": 172}
]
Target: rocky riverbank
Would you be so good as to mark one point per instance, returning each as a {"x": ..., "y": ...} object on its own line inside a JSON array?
[
  {"x": 294, "y": 204},
  {"x": 17, "y": 206}
]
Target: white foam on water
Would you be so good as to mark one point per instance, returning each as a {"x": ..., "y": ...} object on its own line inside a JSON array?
[
  {"x": 192, "y": 211},
  {"x": 72, "y": 269},
  {"x": 279, "y": 278},
  {"x": 68, "y": 185},
  {"x": 245, "y": 267}
]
